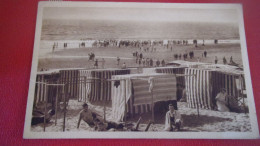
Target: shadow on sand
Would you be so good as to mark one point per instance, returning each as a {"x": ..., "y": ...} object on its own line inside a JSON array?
[
  {"x": 191, "y": 121},
  {"x": 195, "y": 121}
]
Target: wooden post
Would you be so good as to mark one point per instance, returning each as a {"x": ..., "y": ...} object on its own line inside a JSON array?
[
  {"x": 152, "y": 107},
  {"x": 198, "y": 109},
  {"x": 64, "y": 118},
  {"x": 56, "y": 105},
  {"x": 125, "y": 101},
  {"x": 102, "y": 82},
  {"x": 45, "y": 107},
  {"x": 148, "y": 126},
  {"x": 85, "y": 97},
  {"x": 197, "y": 99},
  {"x": 152, "y": 82},
  {"x": 242, "y": 93},
  {"x": 137, "y": 124}
]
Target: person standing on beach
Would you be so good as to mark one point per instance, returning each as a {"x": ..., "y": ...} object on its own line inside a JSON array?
[
  {"x": 103, "y": 63},
  {"x": 96, "y": 63},
  {"x": 143, "y": 61},
  {"x": 151, "y": 62},
  {"x": 124, "y": 66},
  {"x": 118, "y": 61},
  {"x": 216, "y": 59},
  {"x": 163, "y": 62},
  {"x": 157, "y": 63},
  {"x": 141, "y": 56},
  {"x": 224, "y": 60},
  {"x": 198, "y": 59},
  {"x": 205, "y": 54},
  {"x": 53, "y": 47},
  {"x": 231, "y": 60}
]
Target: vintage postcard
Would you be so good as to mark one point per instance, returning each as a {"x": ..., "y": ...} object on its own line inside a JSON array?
[{"x": 140, "y": 70}]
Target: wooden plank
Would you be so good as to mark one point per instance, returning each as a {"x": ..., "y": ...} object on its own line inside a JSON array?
[
  {"x": 209, "y": 77},
  {"x": 64, "y": 117},
  {"x": 197, "y": 78},
  {"x": 38, "y": 86},
  {"x": 187, "y": 87},
  {"x": 45, "y": 108},
  {"x": 41, "y": 89},
  {"x": 204, "y": 88},
  {"x": 56, "y": 105}
]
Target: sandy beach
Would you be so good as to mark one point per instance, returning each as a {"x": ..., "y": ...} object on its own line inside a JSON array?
[
  {"x": 78, "y": 57},
  {"x": 207, "y": 121}
]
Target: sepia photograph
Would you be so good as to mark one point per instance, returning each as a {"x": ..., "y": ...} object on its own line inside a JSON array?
[{"x": 140, "y": 70}]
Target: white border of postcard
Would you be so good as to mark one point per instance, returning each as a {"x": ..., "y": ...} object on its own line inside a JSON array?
[{"x": 131, "y": 135}]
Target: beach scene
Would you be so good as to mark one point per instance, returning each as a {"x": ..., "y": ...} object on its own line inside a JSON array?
[{"x": 128, "y": 68}]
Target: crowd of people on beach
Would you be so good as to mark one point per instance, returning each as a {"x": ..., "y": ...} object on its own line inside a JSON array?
[
  {"x": 231, "y": 62},
  {"x": 185, "y": 55},
  {"x": 147, "y": 62},
  {"x": 145, "y": 45}
]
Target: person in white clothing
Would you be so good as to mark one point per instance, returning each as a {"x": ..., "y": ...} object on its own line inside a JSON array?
[
  {"x": 173, "y": 120},
  {"x": 221, "y": 101}
]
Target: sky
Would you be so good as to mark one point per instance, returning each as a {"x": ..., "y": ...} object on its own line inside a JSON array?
[{"x": 143, "y": 14}]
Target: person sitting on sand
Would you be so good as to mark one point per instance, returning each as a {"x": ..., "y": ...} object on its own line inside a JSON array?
[
  {"x": 173, "y": 120},
  {"x": 95, "y": 121},
  {"x": 221, "y": 101}
]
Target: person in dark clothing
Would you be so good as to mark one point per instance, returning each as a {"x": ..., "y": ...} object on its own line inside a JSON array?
[
  {"x": 224, "y": 60},
  {"x": 205, "y": 53},
  {"x": 151, "y": 62},
  {"x": 163, "y": 62},
  {"x": 96, "y": 63},
  {"x": 216, "y": 59},
  {"x": 180, "y": 56},
  {"x": 157, "y": 63},
  {"x": 141, "y": 55}
]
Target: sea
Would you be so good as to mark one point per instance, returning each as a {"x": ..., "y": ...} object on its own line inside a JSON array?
[{"x": 76, "y": 31}]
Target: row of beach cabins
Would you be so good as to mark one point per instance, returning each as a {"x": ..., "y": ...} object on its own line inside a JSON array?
[{"x": 129, "y": 89}]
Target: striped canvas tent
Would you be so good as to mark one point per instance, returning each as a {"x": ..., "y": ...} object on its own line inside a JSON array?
[
  {"x": 227, "y": 79},
  {"x": 85, "y": 85},
  {"x": 80, "y": 87},
  {"x": 70, "y": 77},
  {"x": 184, "y": 63},
  {"x": 202, "y": 88},
  {"x": 164, "y": 89},
  {"x": 102, "y": 90},
  {"x": 41, "y": 90},
  {"x": 199, "y": 88},
  {"x": 173, "y": 70},
  {"x": 128, "y": 91}
]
